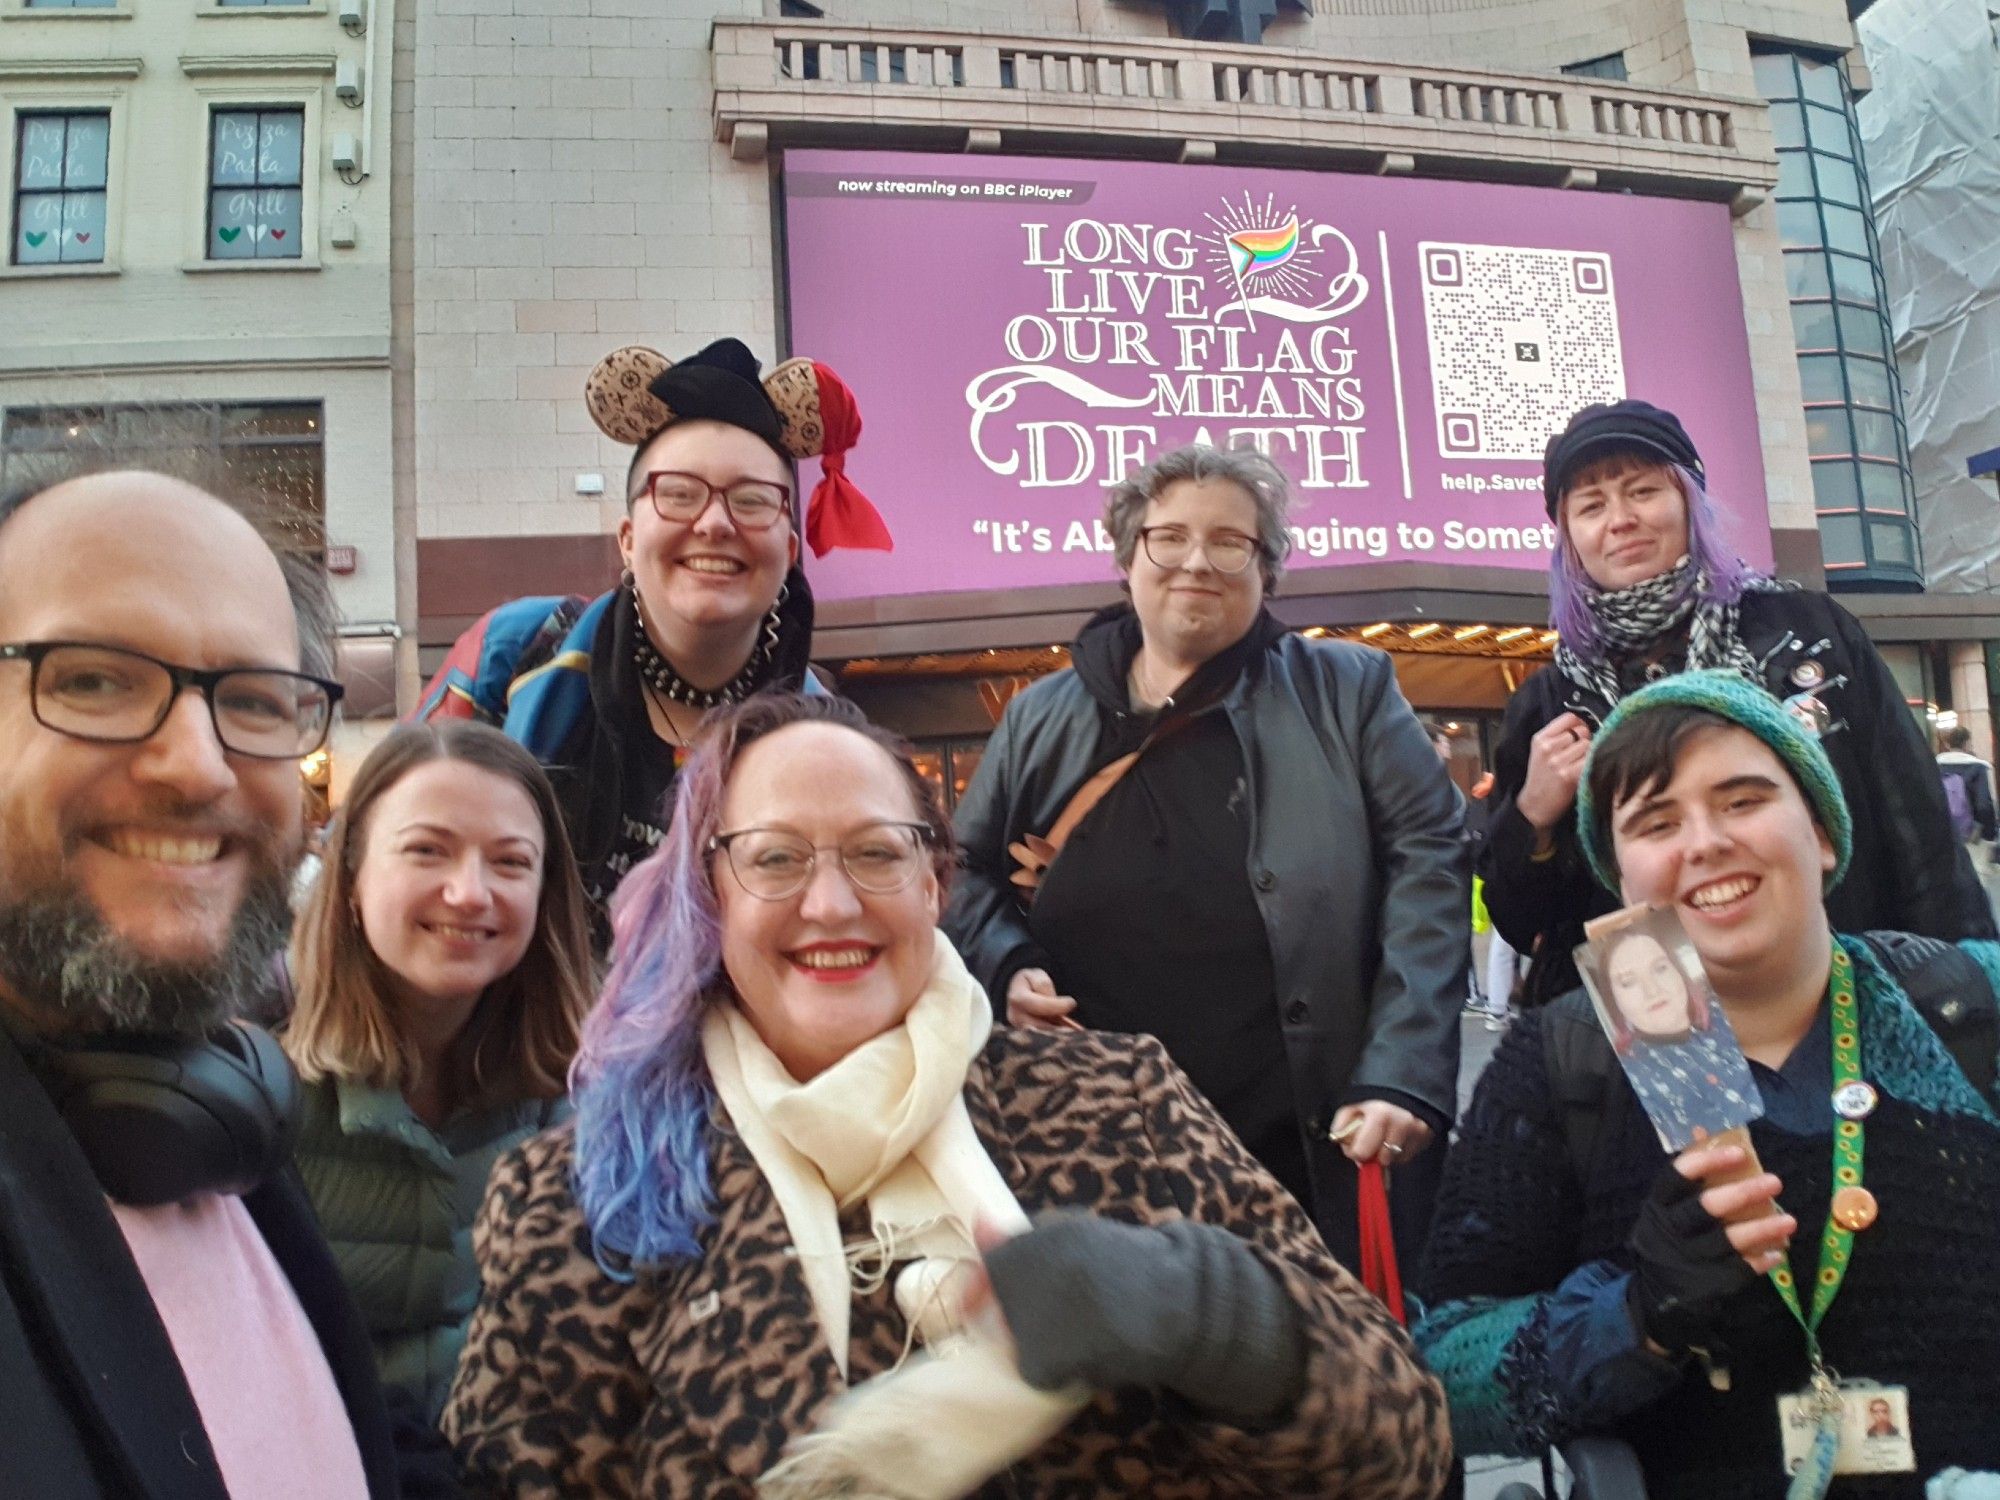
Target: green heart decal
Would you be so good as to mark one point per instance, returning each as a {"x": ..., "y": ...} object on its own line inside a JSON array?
[
  {"x": 36, "y": 237},
  {"x": 229, "y": 235}
]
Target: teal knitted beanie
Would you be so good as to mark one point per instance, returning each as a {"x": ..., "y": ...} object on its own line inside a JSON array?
[{"x": 1730, "y": 696}]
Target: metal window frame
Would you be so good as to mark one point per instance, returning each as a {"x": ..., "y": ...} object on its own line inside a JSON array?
[
  {"x": 1794, "y": 102},
  {"x": 64, "y": 191},
  {"x": 210, "y": 187}
]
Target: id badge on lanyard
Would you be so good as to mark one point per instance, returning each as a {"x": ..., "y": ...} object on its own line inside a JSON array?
[{"x": 1836, "y": 1427}]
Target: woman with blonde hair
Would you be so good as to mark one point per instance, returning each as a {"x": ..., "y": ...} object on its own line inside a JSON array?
[{"x": 442, "y": 969}]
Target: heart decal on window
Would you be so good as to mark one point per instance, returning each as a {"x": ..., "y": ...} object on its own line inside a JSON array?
[
  {"x": 229, "y": 235},
  {"x": 35, "y": 238}
]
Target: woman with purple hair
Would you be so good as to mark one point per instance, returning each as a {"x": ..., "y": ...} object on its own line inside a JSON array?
[
  {"x": 1644, "y": 586},
  {"x": 821, "y": 1229}
]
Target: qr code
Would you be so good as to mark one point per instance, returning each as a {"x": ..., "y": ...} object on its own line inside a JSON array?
[{"x": 1519, "y": 339}]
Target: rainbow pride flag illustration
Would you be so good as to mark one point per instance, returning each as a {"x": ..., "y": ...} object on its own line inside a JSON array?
[{"x": 1254, "y": 250}]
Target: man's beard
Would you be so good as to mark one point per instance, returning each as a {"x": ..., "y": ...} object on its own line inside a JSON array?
[{"x": 81, "y": 978}]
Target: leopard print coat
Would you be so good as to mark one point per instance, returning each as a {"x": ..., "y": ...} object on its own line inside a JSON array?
[{"x": 689, "y": 1381}]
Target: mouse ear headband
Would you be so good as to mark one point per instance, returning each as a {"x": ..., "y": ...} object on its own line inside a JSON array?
[{"x": 802, "y": 409}]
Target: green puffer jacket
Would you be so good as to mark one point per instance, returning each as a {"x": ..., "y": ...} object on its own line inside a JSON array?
[{"x": 397, "y": 1200}]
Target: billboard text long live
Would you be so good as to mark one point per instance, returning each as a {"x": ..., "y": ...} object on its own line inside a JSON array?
[{"x": 1022, "y": 333}]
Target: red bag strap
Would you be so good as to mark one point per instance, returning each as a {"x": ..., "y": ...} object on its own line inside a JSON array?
[{"x": 1378, "y": 1244}]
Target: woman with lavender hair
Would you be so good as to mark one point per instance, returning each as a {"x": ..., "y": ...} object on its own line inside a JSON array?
[
  {"x": 820, "y": 1229},
  {"x": 1644, "y": 586}
]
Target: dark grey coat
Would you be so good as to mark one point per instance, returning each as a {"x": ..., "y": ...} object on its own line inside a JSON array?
[{"x": 1357, "y": 858}]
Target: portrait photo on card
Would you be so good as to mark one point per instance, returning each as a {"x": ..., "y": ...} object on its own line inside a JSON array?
[{"x": 1670, "y": 1033}]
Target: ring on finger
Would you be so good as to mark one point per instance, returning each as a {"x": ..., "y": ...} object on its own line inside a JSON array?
[{"x": 1392, "y": 1148}]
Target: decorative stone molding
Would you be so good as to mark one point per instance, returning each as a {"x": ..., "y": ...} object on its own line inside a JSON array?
[
  {"x": 81, "y": 69},
  {"x": 262, "y": 64},
  {"x": 816, "y": 82}
]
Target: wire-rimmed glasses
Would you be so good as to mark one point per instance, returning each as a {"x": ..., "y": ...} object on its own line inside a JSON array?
[
  {"x": 774, "y": 864},
  {"x": 1169, "y": 547}
]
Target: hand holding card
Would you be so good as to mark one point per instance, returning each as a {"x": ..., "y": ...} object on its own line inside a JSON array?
[
  {"x": 1699, "y": 1242},
  {"x": 1671, "y": 1035}
]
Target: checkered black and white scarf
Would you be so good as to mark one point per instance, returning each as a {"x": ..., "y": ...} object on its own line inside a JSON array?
[{"x": 1632, "y": 619}]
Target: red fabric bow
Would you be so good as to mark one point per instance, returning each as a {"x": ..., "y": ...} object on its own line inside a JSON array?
[
  {"x": 839, "y": 515},
  {"x": 1378, "y": 1244}
]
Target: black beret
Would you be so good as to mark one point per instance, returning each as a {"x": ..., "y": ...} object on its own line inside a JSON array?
[
  {"x": 721, "y": 383},
  {"x": 1606, "y": 428}
]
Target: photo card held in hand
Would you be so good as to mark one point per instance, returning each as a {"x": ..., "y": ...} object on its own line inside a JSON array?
[{"x": 1669, "y": 1031}]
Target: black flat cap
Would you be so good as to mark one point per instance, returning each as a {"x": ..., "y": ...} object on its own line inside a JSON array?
[{"x": 1606, "y": 428}]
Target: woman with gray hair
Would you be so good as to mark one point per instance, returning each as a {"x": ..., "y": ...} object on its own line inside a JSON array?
[{"x": 1235, "y": 839}]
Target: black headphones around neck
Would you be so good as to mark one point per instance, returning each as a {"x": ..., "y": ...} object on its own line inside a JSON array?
[{"x": 163, "y": 1118}]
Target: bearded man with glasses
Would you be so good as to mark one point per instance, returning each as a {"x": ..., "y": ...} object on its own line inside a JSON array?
[
  {"x": 1235, "y": 839},
  {"x": 169, "y": 1303},
  {"x": 712, "y": 606}
]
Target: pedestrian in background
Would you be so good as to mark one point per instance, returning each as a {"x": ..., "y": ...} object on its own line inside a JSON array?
[
  {"x": 442, "y": 968},
  {"x": 1237, "y": 840},
  {"x": 1644, "y": 586},
  {"x": 1496, "y": 967},
  {"x": 1968, "y": 788}
]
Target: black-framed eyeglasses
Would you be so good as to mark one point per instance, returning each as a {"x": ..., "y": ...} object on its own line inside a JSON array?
[
  {"x": 1170, "y": 547},
  {"x": 753, "y": 504},
  {"x": 773, "y": 864},
  {"x": 117, "y": 697}
]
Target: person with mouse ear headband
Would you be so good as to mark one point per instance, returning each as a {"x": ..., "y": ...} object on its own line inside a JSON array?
[{"x": 712, "y": 604}]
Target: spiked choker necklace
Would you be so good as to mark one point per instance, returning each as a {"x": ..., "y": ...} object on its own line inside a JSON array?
[{"x": 661, "y": 677}]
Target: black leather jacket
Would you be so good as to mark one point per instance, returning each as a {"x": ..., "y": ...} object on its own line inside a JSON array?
[
  {"x": 1357, "y": 859},
  {"x": 1909, "y": 872}
]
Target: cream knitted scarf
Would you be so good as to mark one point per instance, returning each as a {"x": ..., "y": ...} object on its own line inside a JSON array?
[{"x": 887, "y": 1125}]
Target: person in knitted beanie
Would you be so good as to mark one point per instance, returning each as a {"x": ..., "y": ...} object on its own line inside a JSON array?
[
  {"x": 1579, "y": 1281},
  {"x": 1645, "y": 583}
]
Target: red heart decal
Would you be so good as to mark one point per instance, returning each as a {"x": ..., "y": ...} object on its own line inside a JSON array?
[
  {"x": 277, "y": 234},
  {"x": 82, "y": 239}
]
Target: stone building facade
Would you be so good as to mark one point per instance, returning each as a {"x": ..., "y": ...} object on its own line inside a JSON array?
[
  {"x": 589, "y": 173},
  {"x": 198, "y": 257}
]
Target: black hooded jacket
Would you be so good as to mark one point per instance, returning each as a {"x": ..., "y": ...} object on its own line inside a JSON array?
[
  {"x": 1909, "y": 872},
  {"x": 1355, "y": 858}
]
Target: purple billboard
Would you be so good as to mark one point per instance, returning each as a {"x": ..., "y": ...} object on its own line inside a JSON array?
[{"x": 1020, "y": 333}]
